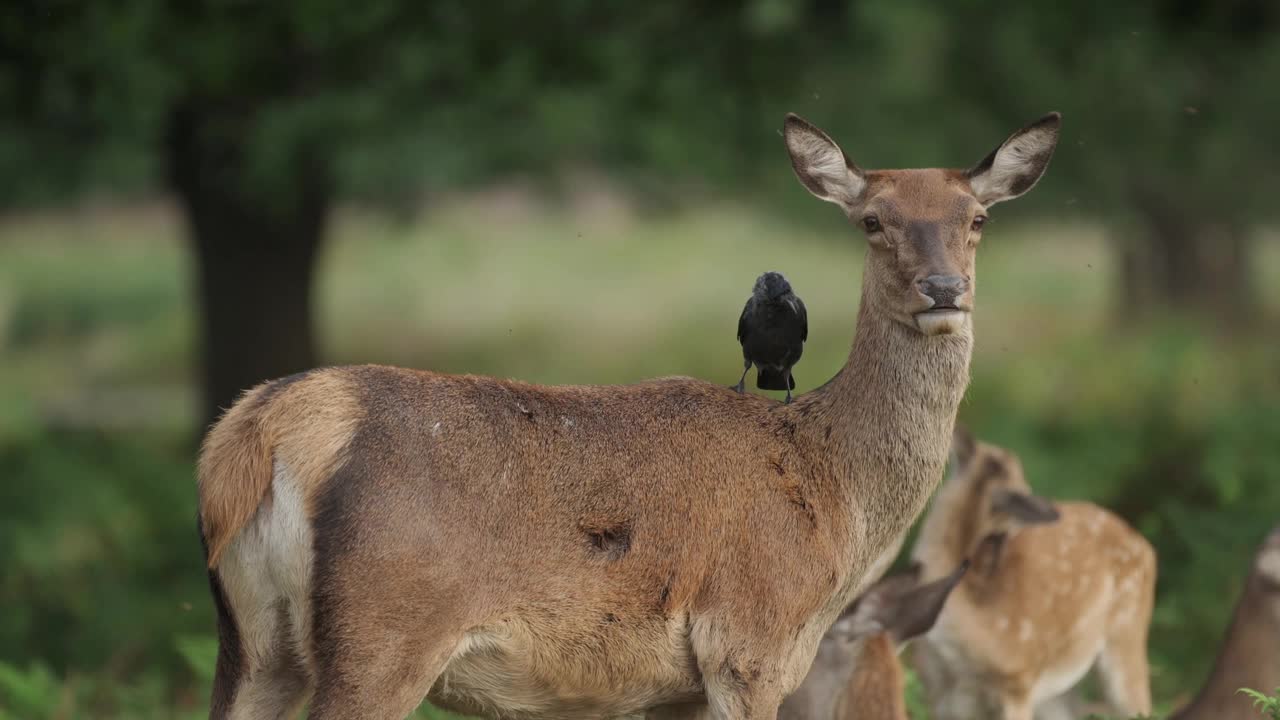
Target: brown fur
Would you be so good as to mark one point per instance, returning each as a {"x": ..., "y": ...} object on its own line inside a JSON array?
[
  {"x": 304, "y": 421},
  {"x": 1042, "y": 604},
  {"x": 1250, "y": 653},
  {"x": 524, "y": 551},
  {"x": 877, "y": 690},
  {"x": 856, "y": 674}
]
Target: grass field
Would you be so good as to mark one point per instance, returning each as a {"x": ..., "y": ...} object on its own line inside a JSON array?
[{"x": 106, "y": 613}]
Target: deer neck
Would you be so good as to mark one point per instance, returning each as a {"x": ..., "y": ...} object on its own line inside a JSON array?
[
  {"x": 883, "y": 424},
  {"x": 1248, "y": 655},
  {"x": 948, "y": 534}
]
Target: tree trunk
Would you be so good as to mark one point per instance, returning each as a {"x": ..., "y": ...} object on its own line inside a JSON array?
[
  {"x": 255, "y": 254},
  {"x": 1178, "y": 261}
]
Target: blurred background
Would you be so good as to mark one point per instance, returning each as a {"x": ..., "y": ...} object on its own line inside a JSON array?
[{"x": 199, "y": 195}]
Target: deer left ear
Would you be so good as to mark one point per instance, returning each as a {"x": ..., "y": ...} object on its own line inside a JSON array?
[
  {"x": 1014, "y": 168},
  {"x": 1024, "y": 508},
  {"x": 918, "y": 610}
]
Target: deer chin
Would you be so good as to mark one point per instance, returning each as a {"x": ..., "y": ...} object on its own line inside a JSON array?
[{"x": 941, "y": 322}]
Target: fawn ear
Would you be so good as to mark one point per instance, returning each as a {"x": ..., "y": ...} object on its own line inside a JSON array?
[
  {"x": 918, "y": 610},
  {"x": 963, "y": 445},
  {"x": 1015, "y": 167},
  {"x": 820, "y": 164},
  {"x": 1023, "y": 508}
]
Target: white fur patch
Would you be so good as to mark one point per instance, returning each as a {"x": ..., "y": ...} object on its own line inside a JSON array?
[
  {"x": 1269, "y": 564},
  {"x": 822, "y": 161},
  {"x": 1014, "y": 163},
  {"x": 949, "y": 322},
  {"x": 267, "y": 563}
]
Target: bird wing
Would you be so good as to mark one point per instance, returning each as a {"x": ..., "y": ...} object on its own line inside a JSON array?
[
  {"x": 742, "y": 323},
  {"x": 803, "y": 315}
]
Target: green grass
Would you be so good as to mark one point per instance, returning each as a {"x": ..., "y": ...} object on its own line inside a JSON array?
[{"x": 106, "y": 608}]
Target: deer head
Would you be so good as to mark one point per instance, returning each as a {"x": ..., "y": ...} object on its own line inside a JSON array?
[
  {"x": 899, "y": 605},
  {"x": 990, "y": 495},
  {"x": 923, "y": 226},
  {"x": 857, "y": 673}
]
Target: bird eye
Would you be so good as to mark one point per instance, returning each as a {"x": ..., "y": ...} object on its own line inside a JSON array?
[
  {"x": 978, "y": 222},
  {"x": 871, "y": 223}
]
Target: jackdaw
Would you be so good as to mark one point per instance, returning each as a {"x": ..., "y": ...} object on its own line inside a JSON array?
[{"x": 772, "y": 330}]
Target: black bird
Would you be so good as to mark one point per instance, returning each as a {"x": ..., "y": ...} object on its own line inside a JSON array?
[{"x": 772, "y": 330}]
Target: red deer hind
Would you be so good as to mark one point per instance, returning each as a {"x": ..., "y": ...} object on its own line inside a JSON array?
[
  {"x": 1250, "y": 652},
  {"x": 378, "y": 535}
]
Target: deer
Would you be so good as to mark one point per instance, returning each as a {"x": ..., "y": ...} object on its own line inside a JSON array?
[
  {"x": 856, "y": 674},
  {"x": 1056, "y": 588},
  {"x": 1250, "y": 652},
  {"x": 375, "y": 535}
]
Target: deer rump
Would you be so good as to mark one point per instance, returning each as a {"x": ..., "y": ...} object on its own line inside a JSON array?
[{"x": 576, "y": 551}]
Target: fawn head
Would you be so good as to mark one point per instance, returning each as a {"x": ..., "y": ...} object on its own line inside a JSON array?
[
  {"x": 899, "y": 606},
  {"x": 998, "y": 499}
]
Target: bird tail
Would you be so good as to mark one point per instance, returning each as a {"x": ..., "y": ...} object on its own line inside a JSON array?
[{"x": 773, "y": 379}]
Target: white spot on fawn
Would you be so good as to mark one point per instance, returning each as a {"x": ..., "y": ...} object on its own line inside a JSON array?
[
  {"x": 435, "y": 429},
  {"x": 566, "y": 421}
]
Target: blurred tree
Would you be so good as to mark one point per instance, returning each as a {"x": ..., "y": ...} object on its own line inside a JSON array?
[
  {"x": 1168, "y": 105},
  {"x": 260, "y": 116}
]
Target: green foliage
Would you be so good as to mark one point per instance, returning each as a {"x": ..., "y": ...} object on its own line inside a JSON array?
[
  {"x": 106, "y": 603},
  {"x": 1268, "y": 705},
  {"x": 917, "y": 702},
  {"x": 399, "y": 94}
]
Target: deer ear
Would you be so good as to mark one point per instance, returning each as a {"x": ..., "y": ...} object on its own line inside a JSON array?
[
  {"x": 1015, "y": 167},
  {"x": 918, "y": 610},
  {"x": 1023, "y": 508},
  {"x": 820, "y": 164}
]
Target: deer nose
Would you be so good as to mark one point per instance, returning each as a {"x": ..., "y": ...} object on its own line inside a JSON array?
[{"x": 943, "y": 290}]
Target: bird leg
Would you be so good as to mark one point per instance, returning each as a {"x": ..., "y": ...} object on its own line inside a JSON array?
[
  {"x": 741, "y": 386},
  {"x": 787, "y": 383}
]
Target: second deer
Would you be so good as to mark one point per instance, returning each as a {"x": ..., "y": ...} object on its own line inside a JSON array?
[
  {"x": 856, "y": 675},
  {"x": 1055, "y": 589},
  {"x": 1250, "y": 654}
]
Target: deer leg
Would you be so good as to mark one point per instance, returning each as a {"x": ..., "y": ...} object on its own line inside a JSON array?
[
  {"x": 1018, "y": 709},
  {"x": 1122, "y": 667},
  {"x": 687, "y": 711},
  {"x": 275, "y": 687},
  {"x": 732, "y": 695},
  {"x": 366, "y": 683}
]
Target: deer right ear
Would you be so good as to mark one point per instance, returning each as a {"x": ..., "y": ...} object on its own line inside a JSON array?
[
  {"x": 1024, "y": 508},
  {"x": 820, "y": 164},
  {"x": 1015, "y": 167}
]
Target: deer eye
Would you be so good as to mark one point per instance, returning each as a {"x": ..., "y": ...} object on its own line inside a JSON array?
[
  {"x": 978, "y": 222},
  {"x": 871, "y": 223}
]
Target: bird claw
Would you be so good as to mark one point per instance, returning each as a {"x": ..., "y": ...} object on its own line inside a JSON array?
[{"x": 740, "y": 387}]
